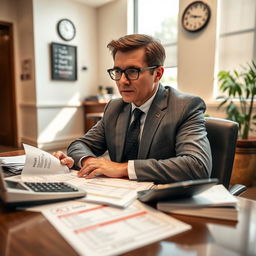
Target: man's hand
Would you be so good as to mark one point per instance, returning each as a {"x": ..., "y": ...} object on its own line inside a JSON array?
[
  {"x": 92, "y": 167},
  {"x": 64, "y": 159}
]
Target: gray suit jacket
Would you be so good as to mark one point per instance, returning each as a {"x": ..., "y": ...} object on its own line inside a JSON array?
[{"x": 173, "y": 147}]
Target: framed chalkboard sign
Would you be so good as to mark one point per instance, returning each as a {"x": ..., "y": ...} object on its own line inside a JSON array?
[{"x": 63, "y": 62}]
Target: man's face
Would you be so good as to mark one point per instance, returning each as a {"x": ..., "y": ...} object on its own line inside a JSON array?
[{"x": 136, "y": 91}]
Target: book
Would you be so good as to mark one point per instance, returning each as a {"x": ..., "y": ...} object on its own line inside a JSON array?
[{"x": 215, "y": 202}]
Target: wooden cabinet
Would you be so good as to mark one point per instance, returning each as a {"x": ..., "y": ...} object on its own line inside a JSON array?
[{"x": 93, "y": 112}]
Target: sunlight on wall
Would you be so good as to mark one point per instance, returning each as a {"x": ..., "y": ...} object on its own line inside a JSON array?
[{"x": 59, "y": 122}]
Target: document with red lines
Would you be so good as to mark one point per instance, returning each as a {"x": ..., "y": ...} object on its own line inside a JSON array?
[{"x": 100, "y": 230}]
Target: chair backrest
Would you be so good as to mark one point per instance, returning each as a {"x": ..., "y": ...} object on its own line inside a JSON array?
[{"x": 222, "y": 135}]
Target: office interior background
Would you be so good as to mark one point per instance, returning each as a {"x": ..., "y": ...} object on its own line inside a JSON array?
[{"x": 49, "y": 114}]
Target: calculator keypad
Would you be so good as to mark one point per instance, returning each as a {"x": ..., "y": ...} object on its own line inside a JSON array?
[{"x": 49, "y": 187}]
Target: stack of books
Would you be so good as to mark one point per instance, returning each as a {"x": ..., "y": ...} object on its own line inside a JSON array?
[{"x": 215, "y": 202}]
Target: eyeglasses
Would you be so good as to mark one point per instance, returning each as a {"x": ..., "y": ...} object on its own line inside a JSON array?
[{"x": 130, "y": 73}]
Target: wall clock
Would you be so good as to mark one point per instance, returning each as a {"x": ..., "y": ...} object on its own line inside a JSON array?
[
  {"x": 196, "y": 16},
  {"x": 66, "y": 29}
]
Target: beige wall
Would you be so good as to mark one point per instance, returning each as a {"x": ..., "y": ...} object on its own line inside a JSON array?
[
  {"x": 60, "y": 115},
  {"x": 196, "y": 56},
  {"x": 112, "y": 24}
]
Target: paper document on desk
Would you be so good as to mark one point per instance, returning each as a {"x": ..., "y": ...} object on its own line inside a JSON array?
[
  {"x": 111, "y": 191},
  {"x": 100, "y": 230}
]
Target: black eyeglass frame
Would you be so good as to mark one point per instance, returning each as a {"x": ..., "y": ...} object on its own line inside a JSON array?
[{"x": 127, "y": 75}]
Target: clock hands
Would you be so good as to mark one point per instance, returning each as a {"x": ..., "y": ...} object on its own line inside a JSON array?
[{"x": 195, "y": 16}]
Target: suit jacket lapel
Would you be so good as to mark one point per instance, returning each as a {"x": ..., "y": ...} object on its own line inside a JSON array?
[
  {"x": 155, "y": 114},
  {"x": 121, "y": 128}
]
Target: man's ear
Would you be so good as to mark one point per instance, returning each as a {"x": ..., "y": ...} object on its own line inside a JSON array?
[{"x": 158, "y": 73}]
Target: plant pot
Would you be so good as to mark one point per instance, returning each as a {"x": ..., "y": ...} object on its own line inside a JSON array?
[{"x": 244, "y": 168}]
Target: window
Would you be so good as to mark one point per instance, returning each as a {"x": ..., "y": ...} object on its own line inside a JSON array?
[
  {"x": 159, "y": 18},
  {"x": 237, "y": 37}
]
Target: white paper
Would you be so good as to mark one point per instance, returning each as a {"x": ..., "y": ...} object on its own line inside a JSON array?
[
  {"x": 100, "y": 230},
  {"x": 39, "y": 162}
]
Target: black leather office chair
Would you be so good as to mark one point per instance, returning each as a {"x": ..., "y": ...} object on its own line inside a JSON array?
[{"x": 222, "y": 135}]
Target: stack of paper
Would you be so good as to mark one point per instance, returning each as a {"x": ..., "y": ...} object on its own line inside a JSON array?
[
  {"x": 216, "y": 202},
  {"x": 14, "y": 164}
]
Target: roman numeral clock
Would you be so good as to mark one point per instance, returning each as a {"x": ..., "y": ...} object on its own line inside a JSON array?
[{"x": 196, "y": 16}]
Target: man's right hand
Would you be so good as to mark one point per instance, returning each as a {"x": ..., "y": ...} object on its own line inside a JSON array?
[{"x": 64, "y": 159}]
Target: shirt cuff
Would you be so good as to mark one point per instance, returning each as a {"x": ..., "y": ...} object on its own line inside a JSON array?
[
  {"x": 131, "y": 171},
  {"x": 80, "y": 161}
]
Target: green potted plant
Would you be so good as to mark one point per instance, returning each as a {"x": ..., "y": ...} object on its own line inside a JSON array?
[{"x": 239, "y": 88}]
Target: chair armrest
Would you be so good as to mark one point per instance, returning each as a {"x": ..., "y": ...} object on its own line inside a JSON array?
[{"x": 237, "y": 189}]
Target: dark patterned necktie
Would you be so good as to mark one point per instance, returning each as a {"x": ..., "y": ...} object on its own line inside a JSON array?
[{"x": 131, "y": 146}]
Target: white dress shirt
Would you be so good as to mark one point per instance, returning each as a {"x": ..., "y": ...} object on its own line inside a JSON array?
[{"x": 145, "y": 108}]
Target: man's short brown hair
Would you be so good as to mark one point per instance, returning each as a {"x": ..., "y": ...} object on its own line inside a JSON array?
[{"x": 154, "y": 51}]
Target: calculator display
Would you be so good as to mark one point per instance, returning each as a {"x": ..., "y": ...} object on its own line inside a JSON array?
[{"x": 15, "y": 185}]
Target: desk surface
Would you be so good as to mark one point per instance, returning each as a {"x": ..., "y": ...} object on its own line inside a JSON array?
[{"x": 29, "y": 233}]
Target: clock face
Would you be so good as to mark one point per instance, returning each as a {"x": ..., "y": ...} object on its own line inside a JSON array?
[
  {"x": 66, "y": 29},
  {"x": 196, "y": 16}
]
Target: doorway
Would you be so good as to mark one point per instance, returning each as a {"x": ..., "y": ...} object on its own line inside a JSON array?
[{"x": 8, "y": 122}]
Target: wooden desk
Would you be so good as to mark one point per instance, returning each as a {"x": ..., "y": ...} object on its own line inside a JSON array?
[
  {"x": 93, "y": 111},
  {"x": 29, "y": 233},
  {"x": 13, "y": 153}
]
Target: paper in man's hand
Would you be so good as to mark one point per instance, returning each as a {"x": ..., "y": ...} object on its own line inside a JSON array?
[{"x": 39, "y": 162}]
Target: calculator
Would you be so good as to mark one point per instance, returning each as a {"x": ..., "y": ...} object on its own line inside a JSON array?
[{"x": 18, "y": 193}]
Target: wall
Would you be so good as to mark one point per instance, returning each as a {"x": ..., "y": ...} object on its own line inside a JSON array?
[
  {"x": 58, "y": 103},
  {"x": 26, "y": 88},
  {"x": 112, "y": 24},
  {"x": 196, "y": 56},
  {"x": 196, "y": 60}
]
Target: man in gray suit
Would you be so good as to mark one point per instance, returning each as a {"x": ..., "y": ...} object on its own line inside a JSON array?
[{"x": 172, "y": 142}]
